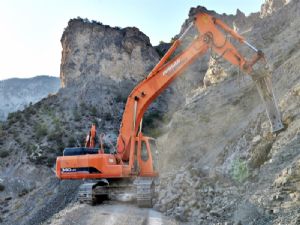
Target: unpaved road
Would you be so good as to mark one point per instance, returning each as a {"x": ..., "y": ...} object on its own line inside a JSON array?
[{"x": 109, "y": 214}]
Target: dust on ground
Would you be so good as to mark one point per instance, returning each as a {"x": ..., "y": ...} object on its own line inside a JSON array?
[{"x": 111, "y": 213}]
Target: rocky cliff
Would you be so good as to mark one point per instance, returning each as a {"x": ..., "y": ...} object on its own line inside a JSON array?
[
  {"x": 271, "y": 6},
  {"x": 94, "y": 49},
  {"x": 16, "y": 93}
]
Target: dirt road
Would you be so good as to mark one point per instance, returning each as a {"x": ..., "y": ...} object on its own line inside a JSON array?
[{"x": 109, "y": 214}]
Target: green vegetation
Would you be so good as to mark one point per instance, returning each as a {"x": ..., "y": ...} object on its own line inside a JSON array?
[
  {"x": 71, "y": 142},
  {"x": 28, "y": 112},
  {"x": 14, "y": 117},
  {"x": 151, "y": 117},
  {"x": 4, "y": 153},
  {"x": 2, "y": 134},
  {"x": 121, "y": 98},
  {"x": 76, "y": 114},
  {"x": 108, "y": 116},
  {"x": 56, "y": 122},
  {"x": 30, "y": 148},
  {"x": 82, "y": 105},
  {"x": 94, "y": 111},
  {"x": 240, "y": 170},
  {"x": 2, "y": 187},
  {"x": 40, "y": 130},
  {"x": 95, "y": 121},
  {"x": 54, "y": 135}
]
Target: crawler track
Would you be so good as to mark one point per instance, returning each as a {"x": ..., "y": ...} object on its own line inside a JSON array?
[{"x": 140, "y": 190}]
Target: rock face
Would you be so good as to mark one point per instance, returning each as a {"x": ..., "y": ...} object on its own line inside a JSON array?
[
  {"x": 240, "y": 22},
  {"x": 16, "y": 93},
  {"x": 271, "y": 6},
  {"x": 93, "y": 49}
]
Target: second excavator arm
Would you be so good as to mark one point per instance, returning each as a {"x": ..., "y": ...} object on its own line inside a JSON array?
[{"x": 210, "y": 36}]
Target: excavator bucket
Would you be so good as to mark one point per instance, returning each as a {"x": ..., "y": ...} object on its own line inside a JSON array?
[{"x": 261, "y": 75}]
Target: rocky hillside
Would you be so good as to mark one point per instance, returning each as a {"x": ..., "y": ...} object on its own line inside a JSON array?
[
  {"x": 218, "y": 161},
  {"x": 16, "y": 93},
  {"x": 221, "y": 163}
]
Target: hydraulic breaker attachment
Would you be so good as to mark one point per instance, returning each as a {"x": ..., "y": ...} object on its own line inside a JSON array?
[{"x": 261, "y": 75}]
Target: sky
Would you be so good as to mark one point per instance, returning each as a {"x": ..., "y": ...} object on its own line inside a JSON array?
[{"x": 30, "y": 30}]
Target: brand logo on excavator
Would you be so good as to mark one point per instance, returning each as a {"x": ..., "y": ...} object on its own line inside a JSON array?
[
  {"x": 68, "y": 170},
  {"x": 172, "y": 67}
]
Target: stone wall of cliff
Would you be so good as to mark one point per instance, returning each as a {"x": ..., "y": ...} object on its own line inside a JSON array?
[{"x": 94, "y": 49}]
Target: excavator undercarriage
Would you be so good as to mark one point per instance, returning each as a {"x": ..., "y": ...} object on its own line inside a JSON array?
[{"x": 140, "y": 190}]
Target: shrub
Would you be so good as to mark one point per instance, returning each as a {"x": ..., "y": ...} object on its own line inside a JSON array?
[
  {"x": 151, "y": 117},
  {"x": 4, "y": 154},
  {"x": 83, "y": 106},
  {"x": 2, "y": 187},
  {"x": 30, "y": 148},
  {"x": 11, "y": 118},
  {"x": 108, "y": 116},
  {"x": 56, "y": 135},
  {"x": 1, "y": 131},
  {"x": 40, "y": 130},
  {"x": 121, "y": 98},
  {"x": 56, "y": 123},
  {"x": 94, "y": 111},
  {"x": 52, "y": 136},
  {"x": 240, "y": 170},
  {"x": 95, "y": 121},
  {"x": 76, "y": 114},
  {"x": 71, "y": 142}
]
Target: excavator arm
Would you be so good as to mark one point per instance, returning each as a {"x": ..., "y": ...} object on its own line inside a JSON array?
[{"x": 212, "y": 34}]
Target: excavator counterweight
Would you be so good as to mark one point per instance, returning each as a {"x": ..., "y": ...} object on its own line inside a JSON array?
[{"x": 112, "y": 172}]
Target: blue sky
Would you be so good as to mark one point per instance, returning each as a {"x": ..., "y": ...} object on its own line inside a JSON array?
[{"x": 31, "y": 29}]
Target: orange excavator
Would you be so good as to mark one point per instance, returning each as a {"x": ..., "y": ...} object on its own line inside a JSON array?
[{"x": 108, "y": 173}]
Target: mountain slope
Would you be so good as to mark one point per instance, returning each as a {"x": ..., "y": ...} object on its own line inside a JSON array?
[
  {"x": 220, "y": 161},
  {"x": 16, "y": 93}
]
